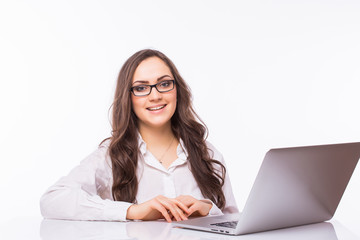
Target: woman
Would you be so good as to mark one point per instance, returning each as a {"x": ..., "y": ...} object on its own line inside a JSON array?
[{"x": 157, "y": 163}]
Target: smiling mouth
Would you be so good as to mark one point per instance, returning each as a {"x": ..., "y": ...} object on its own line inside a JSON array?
[{"x": 156, "y": 108}]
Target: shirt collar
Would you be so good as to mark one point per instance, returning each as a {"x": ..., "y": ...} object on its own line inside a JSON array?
[
  {"x": 141, "y": 144},
  {"x": 181, "y": 151}
]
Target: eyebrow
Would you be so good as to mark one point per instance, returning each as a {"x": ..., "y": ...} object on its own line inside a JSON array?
[{"x": 158, "y": 79}]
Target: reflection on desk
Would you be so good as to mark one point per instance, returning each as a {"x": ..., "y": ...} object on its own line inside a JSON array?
[{"x": 59, "y": 229}]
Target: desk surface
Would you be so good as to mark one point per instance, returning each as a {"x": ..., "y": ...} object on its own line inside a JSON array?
[{"x": 45, "y": 229}]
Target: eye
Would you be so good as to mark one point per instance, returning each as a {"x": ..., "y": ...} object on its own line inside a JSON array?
[
  {"x": 165, "y": 84},
  {"x": 140, "y": 88}
]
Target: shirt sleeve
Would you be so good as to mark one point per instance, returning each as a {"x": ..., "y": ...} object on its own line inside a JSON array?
[
  {"x": 76, "y": 196},
  {"x": 230, "y": 204}
]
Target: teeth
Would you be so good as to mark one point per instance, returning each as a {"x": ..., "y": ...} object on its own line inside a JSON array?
[{"x": 156, "y": 108}]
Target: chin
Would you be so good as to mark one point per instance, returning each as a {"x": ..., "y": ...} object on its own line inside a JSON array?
[{"x": 157, "y": 124}]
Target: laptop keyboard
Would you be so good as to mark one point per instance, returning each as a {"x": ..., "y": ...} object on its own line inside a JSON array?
[{"x": 231, "y": 224}]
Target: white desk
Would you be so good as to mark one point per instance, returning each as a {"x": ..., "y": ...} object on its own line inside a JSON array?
[{"x": 36, "y": 228}]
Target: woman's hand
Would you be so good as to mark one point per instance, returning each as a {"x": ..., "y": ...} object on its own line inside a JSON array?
[
  {"x": 159, "y": 207},
  {"x": 196, "y": 207}
]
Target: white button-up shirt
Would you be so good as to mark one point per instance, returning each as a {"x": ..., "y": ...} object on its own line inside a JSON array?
[{"x": 85, "y": 193}]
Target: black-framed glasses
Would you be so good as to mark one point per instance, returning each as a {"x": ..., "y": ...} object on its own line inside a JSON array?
[{"x": 145, "y": 89}]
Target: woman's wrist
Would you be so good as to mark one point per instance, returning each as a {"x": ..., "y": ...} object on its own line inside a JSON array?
[
  {"x": 208, "y": 205},
  {"x": 131, "y": 212}
]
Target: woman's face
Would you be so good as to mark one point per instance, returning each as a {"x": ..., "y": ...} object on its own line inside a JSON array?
[{"x": 156, "y": 109}]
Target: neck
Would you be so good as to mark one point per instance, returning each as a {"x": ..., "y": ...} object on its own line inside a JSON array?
[{"x": 153, "y": 135}]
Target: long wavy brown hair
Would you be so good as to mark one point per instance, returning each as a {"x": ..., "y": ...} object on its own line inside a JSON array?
[{"x": 186, "y": 125}]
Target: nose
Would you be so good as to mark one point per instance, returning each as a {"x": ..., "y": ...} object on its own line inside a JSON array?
[{"x": 154, "y": 95}]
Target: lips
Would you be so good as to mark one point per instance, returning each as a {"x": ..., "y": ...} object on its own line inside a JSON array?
[{"x": 155, "y": 108}]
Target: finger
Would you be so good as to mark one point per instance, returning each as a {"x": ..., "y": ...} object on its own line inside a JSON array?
[
  {"x": 187, "y": 200},
  {"x": 182, "y": 209},
  {"x": 197, "y": 208},
  {"x": 192, "y": 209},
  {"x": 173, "y": 208},
  {"x": 200, "y": 207},
  {"x": 182, "y": 215},
  {"x": 171, "y": 216},
  {"x": 158, "y": 206},
  {"x": 181, "y": 205}
]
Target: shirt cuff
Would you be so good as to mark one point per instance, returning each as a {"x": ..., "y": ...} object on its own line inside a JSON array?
[
  {"x": 214, "y": 211},
  {"x": 116, "y": 211}
]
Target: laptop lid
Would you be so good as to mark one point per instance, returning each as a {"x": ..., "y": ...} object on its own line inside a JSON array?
[{"x": 299, "y": 185}]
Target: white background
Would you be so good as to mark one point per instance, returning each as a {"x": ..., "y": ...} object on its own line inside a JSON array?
[{"x": 263, "y": 74}]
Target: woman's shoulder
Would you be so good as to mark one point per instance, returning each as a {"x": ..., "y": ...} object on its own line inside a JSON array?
[
  {"x": 105, "y": 143},
  {"x": 99, "y": 157},
  {"x": 214, "y": 152}
]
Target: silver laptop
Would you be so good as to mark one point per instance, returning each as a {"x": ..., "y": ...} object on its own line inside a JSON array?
[{"x": 294, "y": 186}]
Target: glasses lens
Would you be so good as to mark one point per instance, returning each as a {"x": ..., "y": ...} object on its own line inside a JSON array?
[
  {"x": 165, "y": 86},
  {"x": 141, "y": 90}
]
